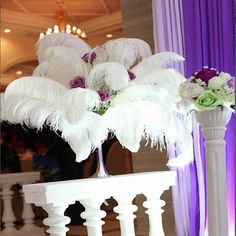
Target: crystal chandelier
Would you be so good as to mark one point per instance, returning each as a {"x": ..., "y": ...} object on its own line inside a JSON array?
[{"x": 61, "y": 16}]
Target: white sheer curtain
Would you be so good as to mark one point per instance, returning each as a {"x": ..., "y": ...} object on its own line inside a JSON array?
[
  {"x": 189, "y": 192},
  {"x": 168, "y": 27}
]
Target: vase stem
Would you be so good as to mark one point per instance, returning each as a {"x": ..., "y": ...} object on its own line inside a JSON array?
[{"x": 101, "y": 170}]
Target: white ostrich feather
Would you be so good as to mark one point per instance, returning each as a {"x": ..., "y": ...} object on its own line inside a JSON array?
[
  {"x": 110, "y": 74},
  {"x": 86, "y": 135},
  {"x": 146, "y": 92},
  {"x": 125, "y": 51},
  {"x": 156, "y": 61},
  {"x": 29, "y": 111},
  {"x": 61, "y": 39},
  {"x": 133, "y": 121},
  {"x": 58, "y": 71},
  {"x": 78, "y": 100},
  {"x": 178, "y": 132},
  {"x": 69, "y": 57},
  {"x": 36, "y": 87},
  {"x": 81, "y": 146},
  {"x": 33, "y": 100},
  {"x": 168, "y": 79}
]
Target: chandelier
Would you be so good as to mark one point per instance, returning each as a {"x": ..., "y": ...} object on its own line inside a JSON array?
[{"x": 61, "y": 16}]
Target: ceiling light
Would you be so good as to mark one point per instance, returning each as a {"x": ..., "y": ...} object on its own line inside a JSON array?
[
  {"x": 19, "y": 72},
  {"x": 109, "y": 35},
  {"x": 7, "y": 31},
  {"x": 61, "y": 16}
]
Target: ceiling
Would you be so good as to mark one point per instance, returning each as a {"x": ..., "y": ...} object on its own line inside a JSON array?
[
  {"x": 27, "y": 18},
  {"x": 78, "y": 10}
]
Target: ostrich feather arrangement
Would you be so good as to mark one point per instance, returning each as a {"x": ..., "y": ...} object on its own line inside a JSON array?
[{"x": 86, "y": 93}]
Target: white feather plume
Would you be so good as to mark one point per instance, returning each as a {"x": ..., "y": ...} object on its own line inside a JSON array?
[
  {"x": 58, "y": 71},
  {"x": 133, "y": 121},
  {"x": 69, "y": 57},
  {"x": 78, "y": 100},
  {"x": 36, "y": 87},
  {"x": 156, "y": 61},
  {"x": 110, "y": 74},
  {"x": 86, "y": 135},
  {"x": 139, "y": 93},
  {"x": 61, "y": 39},
  {"x": 32, "y": 100},
  {"x": 125, "y": 51},
  {"x": 29, "y": 111},
  {"x": 154, "y": 122},
  {"x": 168, "y": 79}
]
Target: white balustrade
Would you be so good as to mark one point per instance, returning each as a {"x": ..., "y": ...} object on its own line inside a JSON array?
[
  {"x": 56, "y": 196},
  {"x": 8, "y": 218}
]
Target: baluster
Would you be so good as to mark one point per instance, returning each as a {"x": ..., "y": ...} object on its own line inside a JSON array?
[
  {"x": 93, "y": 215},
  {"x": 28, "y": 219},
  {"x": 56, "y": 219},
  {"x": 8, "y": 217},
  {"x": 125, "y": 209},
  {"x": 154, "y": 211}
]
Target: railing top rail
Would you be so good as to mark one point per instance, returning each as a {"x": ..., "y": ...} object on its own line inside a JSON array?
[
  {"x": 138, "y": 183},
  {"x": 21, "y": 177}
]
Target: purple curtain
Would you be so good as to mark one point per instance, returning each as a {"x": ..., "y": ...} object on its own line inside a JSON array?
[{"x": 209, "y": 41}]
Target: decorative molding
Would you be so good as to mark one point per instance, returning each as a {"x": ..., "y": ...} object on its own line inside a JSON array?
[
  {"x": 20, "y": 21},
  {"x": 102, "y": 24}
]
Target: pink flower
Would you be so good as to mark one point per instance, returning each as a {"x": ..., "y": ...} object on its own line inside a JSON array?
[
  {"x": 77, "y": 82},
  {"x": 104, "y": 94},
  {"x": 231, "y": 83},
  {"x": 206, "y": 74},
  {"x": 132, "y": 76}
]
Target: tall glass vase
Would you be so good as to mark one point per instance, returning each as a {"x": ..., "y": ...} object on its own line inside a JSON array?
[
  {"x": 101, "y": 169},
  {"x": 213, "y": 124}
]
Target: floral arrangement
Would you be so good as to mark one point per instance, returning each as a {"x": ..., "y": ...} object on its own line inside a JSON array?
[
  {"x": 206, "y": 90},
  {"x": 85, "y": 93}
]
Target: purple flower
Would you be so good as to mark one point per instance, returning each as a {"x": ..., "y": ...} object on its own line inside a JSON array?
[
  {"x": 85, "y": 57},
  {"x": 231, "y": 83},
  {"x": 132, "y": 76},
  {"x": 104, "y": 94},
  {"x": 93, "y": 56},
  {"x": 206, "y": 74},
  {"x": 77, "y": 82},
  {"x": 89, "y": 57}
]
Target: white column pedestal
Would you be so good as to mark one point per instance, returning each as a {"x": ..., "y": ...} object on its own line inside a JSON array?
[{"x": 213, "y": 127}]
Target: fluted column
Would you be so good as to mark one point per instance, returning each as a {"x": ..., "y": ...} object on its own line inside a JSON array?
[{"x": 213, "y": 127}]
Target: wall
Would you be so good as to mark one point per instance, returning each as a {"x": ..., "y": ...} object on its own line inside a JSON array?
[{"x": 137, "y": 20}]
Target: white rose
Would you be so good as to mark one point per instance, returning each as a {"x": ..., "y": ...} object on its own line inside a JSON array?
[
  {"x": 218, "y": 81},
  {"x": 190, "y": 90}
]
